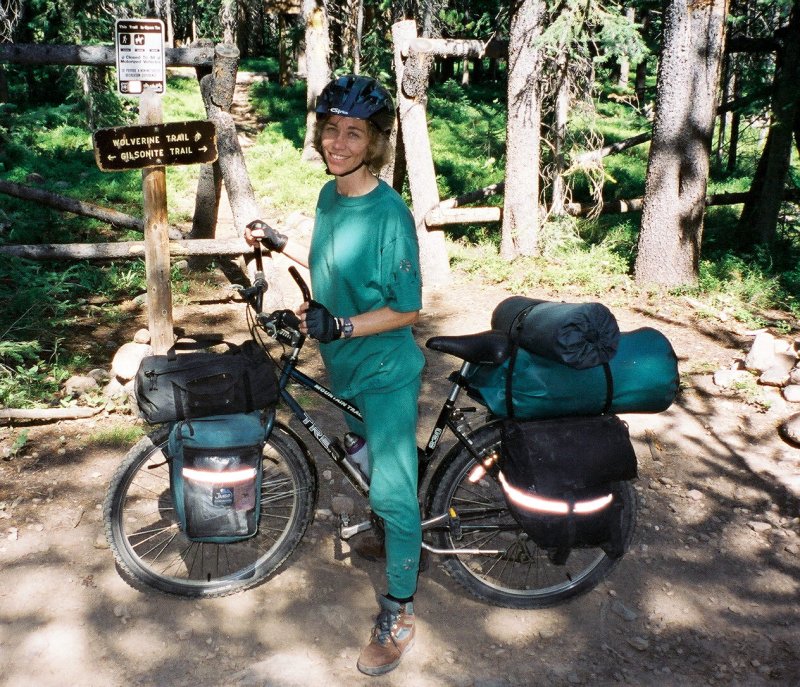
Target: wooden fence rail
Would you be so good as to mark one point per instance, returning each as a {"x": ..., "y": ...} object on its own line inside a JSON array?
[{"x": 95, "y": 55}]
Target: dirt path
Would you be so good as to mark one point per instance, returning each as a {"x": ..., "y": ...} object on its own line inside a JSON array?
[{"x": 707, "y": 595}]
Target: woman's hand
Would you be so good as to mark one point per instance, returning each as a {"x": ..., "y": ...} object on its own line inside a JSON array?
[
  {"x": 261, "y": 231},
  {"x": 316, "y": 321}
]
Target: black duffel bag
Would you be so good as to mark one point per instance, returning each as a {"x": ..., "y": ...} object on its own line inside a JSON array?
[
  {"x": 560, "y": 478},
  {"x": 199, "y": 384}
]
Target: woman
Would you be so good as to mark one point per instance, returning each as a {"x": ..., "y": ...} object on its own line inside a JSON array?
[{"x": 364, "y": 264}]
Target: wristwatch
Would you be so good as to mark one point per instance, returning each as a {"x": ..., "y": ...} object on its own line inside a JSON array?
[{"x": 346, "y": 327}]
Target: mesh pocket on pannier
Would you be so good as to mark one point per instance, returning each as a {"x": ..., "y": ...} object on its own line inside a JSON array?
[{"x": 221, "y": 492}]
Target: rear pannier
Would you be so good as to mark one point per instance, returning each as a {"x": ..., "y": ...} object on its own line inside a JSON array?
[{"x": 561, "y": 480}]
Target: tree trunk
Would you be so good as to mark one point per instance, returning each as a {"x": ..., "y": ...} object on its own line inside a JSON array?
[
  {"x": 624, "y": 60},
  {"x": 358, "y": 36},
  {"x": 640, "y": 85},
  {"x": 234, "y": 174},
  {"x": 677, "y": 170},
  {"x": 521, "y": 204},
  {"x": 412, "y": 79},
  {"x": 760, "y": 213},
  {"x": 559, "y": 193},
  {"x": 317, "y": 67},
  {"x": 724, "y": 116}
]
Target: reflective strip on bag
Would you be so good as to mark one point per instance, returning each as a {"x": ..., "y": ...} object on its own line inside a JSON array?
[
  {"x": 541, "y": 504},
  {"x": 230, "y": 477}
]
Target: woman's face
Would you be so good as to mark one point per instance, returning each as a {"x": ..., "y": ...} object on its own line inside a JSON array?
[{"x": 344, "y": 143}]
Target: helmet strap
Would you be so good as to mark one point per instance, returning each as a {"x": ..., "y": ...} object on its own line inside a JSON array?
[{"x": 355, "y": 169}]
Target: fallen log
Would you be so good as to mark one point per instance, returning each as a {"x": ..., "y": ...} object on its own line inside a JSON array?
[
  {"x": 124, "y": 249},
  {"x": 76, "y": 207},
  {"x": 50, "y": 414},
  {"x": 95, "y": 55}
]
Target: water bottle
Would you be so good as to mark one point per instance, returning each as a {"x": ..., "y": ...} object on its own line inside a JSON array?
[{"x": 355, "y": 447}]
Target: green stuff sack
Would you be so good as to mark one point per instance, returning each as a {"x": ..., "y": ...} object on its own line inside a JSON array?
[
  {"x": 642, "y": 378},
  {"x": 215, "y": 475}
]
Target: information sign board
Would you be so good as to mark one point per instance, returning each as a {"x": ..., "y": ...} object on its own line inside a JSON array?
[
  {"x": 135, "y": 147},
  {"x": 140, "y": 55}
]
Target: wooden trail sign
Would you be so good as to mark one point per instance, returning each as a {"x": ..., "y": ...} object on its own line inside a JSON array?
[{"x": 157, "y": 145}]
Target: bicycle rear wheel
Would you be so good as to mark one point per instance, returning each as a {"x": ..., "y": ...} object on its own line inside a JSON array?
[
  {"x": 152, "y": 551},
  {"x": 523, "y": 576}
]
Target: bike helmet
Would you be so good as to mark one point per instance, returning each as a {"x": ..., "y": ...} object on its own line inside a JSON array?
[{"x": 360, "y": 97}]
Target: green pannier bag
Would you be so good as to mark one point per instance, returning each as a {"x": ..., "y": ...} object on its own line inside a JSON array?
[
  {"x": 641, "y": 378},
  {"x": 215, "y": 475}
]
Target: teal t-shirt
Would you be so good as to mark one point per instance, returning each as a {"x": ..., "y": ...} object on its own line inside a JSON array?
[{"x": 365, "y": 256}]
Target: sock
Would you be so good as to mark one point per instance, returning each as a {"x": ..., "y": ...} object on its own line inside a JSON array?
[{"x": 407, "y": 600}]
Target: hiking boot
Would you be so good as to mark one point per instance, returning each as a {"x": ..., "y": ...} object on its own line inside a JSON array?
[{"x": 392, "y": 636}]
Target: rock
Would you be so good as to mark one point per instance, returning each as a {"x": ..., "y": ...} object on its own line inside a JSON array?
[
  {"x": 181, "y": 266},
  {"x": 142, "y": 336},
  {"x": 620, "y": 609},
  {"x": 100, "y": 541},
  {"x": 695, "y": 494},
  {"x": 175, "y": 234},
  {"x": 790, "y": 429},
  {"x": 762, "y": 353},
  {"x": 34, "y": 178},
  {"x": 114, "y": 389},
  {"x": 140, "y": 300},
  {"x": 342, "y": 505},
  {"x": 792, "y": 393},
  {"x": 639, "y": 643},
  {"x": 127, "y": 359},
  {"x": 725, "y": 379},
  {"x": 759, "y": 526},
  {"x": 327, "y": 475},
  {"x": 792, "y": 549},
  {"x": 78, "y": 385},
  {"x": 778, "y": 373},
  {"x": 100, "y": 375}
]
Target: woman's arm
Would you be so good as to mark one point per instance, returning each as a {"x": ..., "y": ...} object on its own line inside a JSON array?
[
  {"x": 382, "y": 320},
  {"x": 292, "y": 248}
]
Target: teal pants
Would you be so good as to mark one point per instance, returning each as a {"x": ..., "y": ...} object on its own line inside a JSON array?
[{"x": 390, "y": 428}]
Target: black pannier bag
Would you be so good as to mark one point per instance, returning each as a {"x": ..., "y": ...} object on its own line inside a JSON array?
[
  {"x": 199, "y": 384},
  {"x": 560, "y": 478},
  {"x": 215, "y": 475}
]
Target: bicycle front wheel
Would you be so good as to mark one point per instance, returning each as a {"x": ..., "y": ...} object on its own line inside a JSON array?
[
  {"x": 151, "y": 550},
  {"x": 522, "y": 575}
]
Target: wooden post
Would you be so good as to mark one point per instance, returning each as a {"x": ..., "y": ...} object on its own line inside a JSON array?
[
  {"x": 411, "y": 103},
  {"x": 156, "y": 238}
]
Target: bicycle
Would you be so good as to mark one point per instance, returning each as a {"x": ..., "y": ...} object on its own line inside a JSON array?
[{"x": 465, "y": 518}]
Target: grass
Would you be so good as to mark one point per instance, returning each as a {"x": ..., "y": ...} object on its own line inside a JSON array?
[
  {"x": 580, "y": 257},
  {"x": 117, "y": 436}
]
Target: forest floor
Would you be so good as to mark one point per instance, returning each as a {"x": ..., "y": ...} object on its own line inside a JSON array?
[{"x": 707, "y": 594}]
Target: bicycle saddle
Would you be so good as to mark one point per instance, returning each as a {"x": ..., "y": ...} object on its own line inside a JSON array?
[{"x": 490, "y": 348}]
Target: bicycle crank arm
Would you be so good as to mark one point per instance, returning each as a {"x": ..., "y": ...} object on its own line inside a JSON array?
[{"x": 347, "y": 531}]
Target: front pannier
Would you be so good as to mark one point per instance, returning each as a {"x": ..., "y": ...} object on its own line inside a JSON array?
[
  {"x": 199, "y": 384},
  {"x": 215, "y": 475},
  {"x": 561, "y": 480}
]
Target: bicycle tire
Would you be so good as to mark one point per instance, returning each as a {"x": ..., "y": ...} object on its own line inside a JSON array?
[
  {"x": 152, "y": 552},
  {"x": 525, "y": 577}
]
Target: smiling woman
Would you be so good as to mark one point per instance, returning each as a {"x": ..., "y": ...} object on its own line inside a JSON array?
[{"x": 364, "y": 264}]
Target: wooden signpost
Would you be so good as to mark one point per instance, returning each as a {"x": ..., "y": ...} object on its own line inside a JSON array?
[{"x": 150, "y": 147}]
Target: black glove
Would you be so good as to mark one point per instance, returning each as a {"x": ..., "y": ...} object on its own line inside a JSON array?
[
  {"x": 272, "y": 240},
  {"x": 321, "y": 325}
]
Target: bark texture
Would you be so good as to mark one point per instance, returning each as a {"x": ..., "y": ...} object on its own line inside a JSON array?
[
  {"x": 317, "y": 66},
  {"x": 677, "y": 171},
  {"x": 521, "y": 206}
]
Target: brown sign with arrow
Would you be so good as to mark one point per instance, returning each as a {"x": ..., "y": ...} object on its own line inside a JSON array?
[{"x": 135, "y": 147}]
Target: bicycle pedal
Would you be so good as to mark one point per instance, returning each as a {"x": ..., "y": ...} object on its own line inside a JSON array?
[{"x": 346, "y": 530}]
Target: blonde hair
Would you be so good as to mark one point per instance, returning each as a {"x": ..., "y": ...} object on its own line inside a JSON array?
[{"x": 379, "y": 149}]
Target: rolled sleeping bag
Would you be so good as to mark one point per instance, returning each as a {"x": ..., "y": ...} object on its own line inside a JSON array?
[
  {"x": 643, "y": 375},
  {"x": 580, "y": 335}
]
